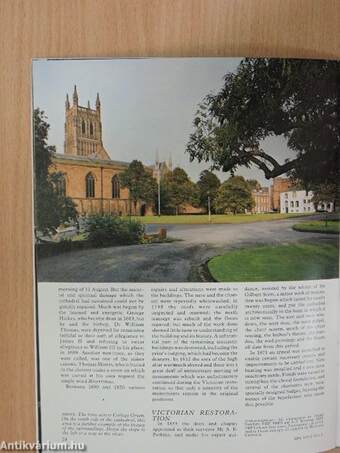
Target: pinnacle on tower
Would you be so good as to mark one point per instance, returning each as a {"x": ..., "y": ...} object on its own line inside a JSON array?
[
  {"x": 67, "y": 102},
  {"x": 97, "y": 102},
  {"x": 88, "y": 105},
  {"x": 75, "y": 96}
]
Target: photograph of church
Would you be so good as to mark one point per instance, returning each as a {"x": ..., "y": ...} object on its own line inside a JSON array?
[
  {"x": 177, "y": 170},
  {"x": 91, "y": 178}
]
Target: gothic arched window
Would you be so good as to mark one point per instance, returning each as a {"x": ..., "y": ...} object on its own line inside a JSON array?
[
  {"x": 89, "y": 186},
  {"x": 60, "y": 186},
  {"x": 115, "y": 187},
  {"x": 83, "y": 127},
  {"x": 91, "y": 129}
]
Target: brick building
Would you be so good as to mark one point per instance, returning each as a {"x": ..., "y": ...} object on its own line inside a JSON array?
[
  {"x": 267, "y": 199},
  {"x": 278, "y": 186},
  {"x": 262, "y": 200}
]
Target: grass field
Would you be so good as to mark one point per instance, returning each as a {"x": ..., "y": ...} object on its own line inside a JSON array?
[
  {"x": 222, "y": 218},
  {"x": 319, "y": 226},
  {"x": 275, "y": 263}
]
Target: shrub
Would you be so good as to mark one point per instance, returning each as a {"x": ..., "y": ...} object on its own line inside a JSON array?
[{"x": 106, "y": 230}]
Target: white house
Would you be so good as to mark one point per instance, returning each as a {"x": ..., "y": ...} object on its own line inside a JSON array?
[{"x": 299, "y": 201}]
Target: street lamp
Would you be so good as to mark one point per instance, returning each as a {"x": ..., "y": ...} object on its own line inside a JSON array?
[
  {"x": 158, "y": 175},
  {"x": 209, "y": 208},
  {"x": 159, "y": 188}
]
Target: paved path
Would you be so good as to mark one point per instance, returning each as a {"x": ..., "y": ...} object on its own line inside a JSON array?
[{"x": 168, "y": 262}]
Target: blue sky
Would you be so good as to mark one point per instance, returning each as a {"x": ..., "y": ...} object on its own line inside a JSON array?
[{"x": 148, "y": 105}]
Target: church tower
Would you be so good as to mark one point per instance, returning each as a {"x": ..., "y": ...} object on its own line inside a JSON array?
[{"x": 83, "y": 129}]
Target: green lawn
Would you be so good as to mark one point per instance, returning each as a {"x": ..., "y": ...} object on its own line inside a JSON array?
[
  {"x": 222, "y": 218},
  {"x": 319, "y": 226},
  {"x": 274, "y": 263}
]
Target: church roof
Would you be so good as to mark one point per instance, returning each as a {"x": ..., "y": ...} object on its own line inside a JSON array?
[{"x": 87, "y": 160}]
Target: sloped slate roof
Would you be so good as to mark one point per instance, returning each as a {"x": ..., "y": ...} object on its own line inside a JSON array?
[{"x": 87, "y": 160}]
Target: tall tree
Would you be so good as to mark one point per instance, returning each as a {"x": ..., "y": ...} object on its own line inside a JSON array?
[
  {"x": 325, "y": 193},
  {"x": 52, "y": 207},
  {"x": 208, "y": 185},
  {"x": 254, "y": 184},
  {"x": 180, "y": 189},
  {"x": 234, "y": 196},
  {"x": 140, "y": 182},
  {"x": 271, "y": 97}
]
